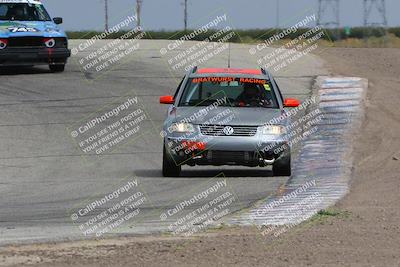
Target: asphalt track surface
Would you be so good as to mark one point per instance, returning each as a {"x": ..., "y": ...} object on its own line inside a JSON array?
[{"x": 44, "y": 177}]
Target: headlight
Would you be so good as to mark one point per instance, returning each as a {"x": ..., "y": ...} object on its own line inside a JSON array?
[
  {"x": 49, "y": 42},
  {"x": 182, "y": 127},
  {"x": 52, "y": 30},
  {"x": 3, "y": 43},
  {"x": 273, "y": 129}
]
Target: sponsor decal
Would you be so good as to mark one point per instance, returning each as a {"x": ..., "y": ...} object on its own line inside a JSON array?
[
  {"x": 228, "y": 79},
  {"x": 252, "y": 80},
  {"x": 213, "y": 79},
  {"x": 22, "y": 29}
]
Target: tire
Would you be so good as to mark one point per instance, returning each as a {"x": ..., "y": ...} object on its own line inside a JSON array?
[
  {"x": 57, "y": 68},
  {"x": 282, "y": 167},
  {"x": 169, "y": 168}
]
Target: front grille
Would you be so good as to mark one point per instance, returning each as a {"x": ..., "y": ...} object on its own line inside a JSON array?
[
  {"x": 218, "y": 130},
  {"x": 234, "y": 156},
  {"x": 25, "y": 41},
  {"x": 61, "y": 42},
  {"x": 34, "y": 42}
]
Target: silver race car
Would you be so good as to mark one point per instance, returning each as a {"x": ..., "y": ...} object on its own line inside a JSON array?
[{"x": 226, "y": 117}]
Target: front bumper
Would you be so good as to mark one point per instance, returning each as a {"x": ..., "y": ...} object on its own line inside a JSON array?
[
  {"x": 33, "y": 55},
  {"x": 258, "y": 150}
]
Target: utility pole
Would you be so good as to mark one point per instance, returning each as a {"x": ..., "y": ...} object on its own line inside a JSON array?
[
  {"x": 106, "y": 15},
  {"x": 375, "y": 5},
  {"x": 380, "y": 20},
  {"x": 328, "y": 13},
  {"x": 138, "y": 12},
  {"x": 278, "y": 8},
  {"x": 329, "y": 16},
  {"x": 185, "y": 15}
]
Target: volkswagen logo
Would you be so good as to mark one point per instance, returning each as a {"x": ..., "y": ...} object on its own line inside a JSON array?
[{"x": 228, "y": 130}]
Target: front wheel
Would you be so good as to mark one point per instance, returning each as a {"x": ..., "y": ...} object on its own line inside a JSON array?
[
  {"x": 57, "y": 68},
  {"x": 169, "y": 168},
  {"x": 282, "y": 167}
]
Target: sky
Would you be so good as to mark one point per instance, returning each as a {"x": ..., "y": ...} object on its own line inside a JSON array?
[{"x": 242, "y": 14}]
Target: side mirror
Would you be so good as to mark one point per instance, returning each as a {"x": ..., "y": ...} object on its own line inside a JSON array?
[
  {"x": 167, "y": 99},
  {"x": 291, "y": 103},
  {"x": 58, "y": 20}
]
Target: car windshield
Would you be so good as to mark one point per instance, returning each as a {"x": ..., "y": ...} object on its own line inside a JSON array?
[
  {"x": 239, "y": 92},
  {"x": 23, "y": 12}
]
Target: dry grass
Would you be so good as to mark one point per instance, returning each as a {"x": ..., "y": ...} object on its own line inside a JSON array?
[{"x": 391, "y": 41}]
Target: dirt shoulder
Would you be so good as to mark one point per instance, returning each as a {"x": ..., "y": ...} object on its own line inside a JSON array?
[{"x": 364, "y": 231}]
